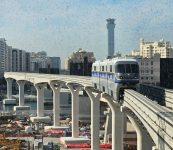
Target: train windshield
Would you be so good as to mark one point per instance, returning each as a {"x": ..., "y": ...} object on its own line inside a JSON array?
[
  {"x": 135, "y": 68},
  {"x": 120, "y": 68},
  {"x": 127, "y": 68}
]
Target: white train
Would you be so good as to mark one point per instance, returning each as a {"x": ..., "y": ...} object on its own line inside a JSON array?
[{"x": 112, "y": 76}]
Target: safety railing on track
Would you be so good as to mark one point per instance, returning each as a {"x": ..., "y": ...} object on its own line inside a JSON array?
[
  {"x": 156, "y": 119},
  {"x": 163, "y": 96}
]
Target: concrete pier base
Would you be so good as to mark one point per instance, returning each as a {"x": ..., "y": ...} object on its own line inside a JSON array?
[
  {"x": 19, "y": 108},
  {"x": 78, "y": 140},
  {"x": 40, "y": 119},
  {"x": 56, "y": 127},
  {"x": 9, "y": 101}
]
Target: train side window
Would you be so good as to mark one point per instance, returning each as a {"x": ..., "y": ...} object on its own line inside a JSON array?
[
  {"x": 103, "y": 89},
  {"x": 111, "y": 93},
  {"x": 106, "y": 68},
  {"x": 110, "y": 68},
  {"x": 94, "y": 68},
  {"x": 102, "y": 68},
  {"x": 95, "y": 85}
]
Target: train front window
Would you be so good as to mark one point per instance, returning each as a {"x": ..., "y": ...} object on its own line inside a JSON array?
[
  {"x": 120, "y": 68},
  {"x": 128, "y": 68},
  {"x": 135, "y": 68}
]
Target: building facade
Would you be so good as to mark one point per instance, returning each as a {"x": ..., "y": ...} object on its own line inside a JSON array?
[
  {"x": 55, "y": 62},
  {"x": 148, "y": 49},
  {"x": 80, "y": 63},
  {"x": 149, "y": 69},
  {"x": 166, "y": 73},
  {"x": 3, "y": 51}
]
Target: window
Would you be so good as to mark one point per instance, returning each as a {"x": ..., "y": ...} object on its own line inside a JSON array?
[
  {"x": 142, "y": 78},
  {"x": 146, "y": 78},
  {"x": 135, "y": 68},
  {"x": 112, "y": 93},
  {"x": 95, "y": 68},
  {"x": 120, "y": 68},
  {"x": 106, "y": 68},
  {"x": 151, "y": 78},
  {"x": 110, "y": 68},
  {"x": 141, "y": 71},
  {"x": 146, "y": 71},
  {"x": 151, "y": 71},
  {"x": 128, "y": 68},
  {"x": 103, "y": 89},
  {"x": 151, "y": 62},
  {"x": 102, "y": 68}
]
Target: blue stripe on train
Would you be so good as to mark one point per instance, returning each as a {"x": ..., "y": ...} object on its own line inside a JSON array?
[{"x": 111, "y": 77}]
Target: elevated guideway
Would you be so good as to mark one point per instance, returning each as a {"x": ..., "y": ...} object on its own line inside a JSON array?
[
  {"x": 156, "y": 119},
  {"x": 163, "y": 96},
  {"x": 145, "y": 114}
]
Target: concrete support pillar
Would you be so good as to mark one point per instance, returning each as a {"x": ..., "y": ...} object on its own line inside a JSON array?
[
  {"x": 75, "y": 110},
  {"x": 9, "y": 88},
  {"x": 95, "y": 118},
  {"x": 108, "y": 128},
  {"x": 40, "y": 98},
  {"x": 21, "y": 84},
  {"x": 117, "y": 124},
  {"x": 56, "y": 101},
  {"x": 144, "y": 142},
  {"x": 154, "y": 148}
]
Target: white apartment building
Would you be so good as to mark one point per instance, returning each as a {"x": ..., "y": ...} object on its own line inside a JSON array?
[
  {"x": 20, "y": 60},
  {"x": 3, "y": 50},
  {"x": 148, "y": 49}
]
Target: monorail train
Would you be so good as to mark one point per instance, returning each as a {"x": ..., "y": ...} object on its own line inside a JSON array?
[{"x": 112, "y": 76}]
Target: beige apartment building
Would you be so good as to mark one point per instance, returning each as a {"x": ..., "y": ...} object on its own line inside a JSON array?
[
  {"x": 148, "y": 49},
  {"x": 78, "y": 57}
]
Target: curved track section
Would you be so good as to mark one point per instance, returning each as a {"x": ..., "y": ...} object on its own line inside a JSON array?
[{"x": 157, "y": 120}]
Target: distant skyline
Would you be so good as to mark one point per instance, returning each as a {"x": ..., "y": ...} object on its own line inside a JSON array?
[{"x": 63, "y": 26}]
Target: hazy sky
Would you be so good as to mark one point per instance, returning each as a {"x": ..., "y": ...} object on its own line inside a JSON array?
[{"x": 61, "y": 27}]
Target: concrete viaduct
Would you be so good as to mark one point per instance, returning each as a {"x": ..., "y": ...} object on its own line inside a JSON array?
[{"x": 153, "y": 122}]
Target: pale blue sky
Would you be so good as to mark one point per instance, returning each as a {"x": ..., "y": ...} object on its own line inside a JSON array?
[{"x": 61, "y": 27}]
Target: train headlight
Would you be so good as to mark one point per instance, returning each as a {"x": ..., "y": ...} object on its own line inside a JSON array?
[
  {"x": 135, "y": 77},
  {"x": 121, "y": 77}
]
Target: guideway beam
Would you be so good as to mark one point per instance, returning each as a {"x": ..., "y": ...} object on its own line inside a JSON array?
[
  {"x": 144, "y": 141},
  {"x": 117, "y": 123},
  {"x": 56, "y": 101},
  {"x": 95, "y": 118},
  {"x": 75, "y": 109}
]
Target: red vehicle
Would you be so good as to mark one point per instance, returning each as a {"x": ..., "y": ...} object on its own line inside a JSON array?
[{"x": 85, "y": 145}]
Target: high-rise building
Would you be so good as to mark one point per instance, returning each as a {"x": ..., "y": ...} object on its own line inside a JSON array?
[
  {"x": 110, "y": 27},
  {"x": 148, "y": 49},
  {"x": 3, "y": 51},
  {"x": 80, "y": 63},
  {"x": 55, "y": 62}
]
